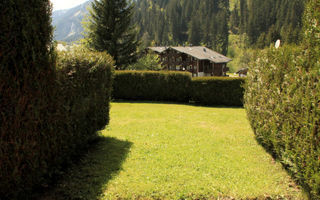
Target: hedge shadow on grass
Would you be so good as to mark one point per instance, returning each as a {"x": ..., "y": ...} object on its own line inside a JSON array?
[{"x": 88, "y": 178}]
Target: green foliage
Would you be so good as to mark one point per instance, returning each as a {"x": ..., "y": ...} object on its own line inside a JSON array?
[
  {"x": 109, "y": 29},
  {"x": 152, "y": 86},
  {"x": 312, "y": 33},
  {"x": 239, "y": 52},
  {"x": 217, "y": 91},
  {"x": 282, "y": 102},
  {"x": 147, "y": 62},
  {"x": 26, "y": 94}
]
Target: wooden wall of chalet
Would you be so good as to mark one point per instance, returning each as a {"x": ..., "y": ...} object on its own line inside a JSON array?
[
  {"x": 176, "y": 61},
  {"x": 211, "y": 69},
  {"x": 218, "y": 69}
]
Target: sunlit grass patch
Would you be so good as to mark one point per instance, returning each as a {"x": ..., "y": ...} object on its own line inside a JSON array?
[{"x": 180, "y": 152}]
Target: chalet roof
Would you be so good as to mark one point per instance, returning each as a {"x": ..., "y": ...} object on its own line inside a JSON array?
[
  {"x": 203, "y": 53},
  {"x": 158, "y": 49}
]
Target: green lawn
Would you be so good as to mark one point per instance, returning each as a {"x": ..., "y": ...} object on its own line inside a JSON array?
[{"x": 169, "y": 151}]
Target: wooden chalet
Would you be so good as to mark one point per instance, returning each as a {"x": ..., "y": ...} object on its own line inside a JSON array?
[{"x": 198, "y": 60}]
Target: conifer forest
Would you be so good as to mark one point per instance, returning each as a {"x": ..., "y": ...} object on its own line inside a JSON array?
[{"x": 209, "y": 22}]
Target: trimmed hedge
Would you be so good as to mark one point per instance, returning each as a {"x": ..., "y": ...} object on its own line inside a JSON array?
[
  {"x": 47, "y": 130},
  {"x": 282, "y": 100},
  {"x": 85, "y": 83},
  {"x": 177, "y": 87},
  {"x": 152, "y": 86},
  {"x": 217, "y": 91}
]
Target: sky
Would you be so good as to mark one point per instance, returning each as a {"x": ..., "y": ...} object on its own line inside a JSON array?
[{"x": 65, "y": 4}]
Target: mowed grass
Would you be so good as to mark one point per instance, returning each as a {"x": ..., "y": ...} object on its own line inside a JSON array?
[{"x": 169, "y": 151}]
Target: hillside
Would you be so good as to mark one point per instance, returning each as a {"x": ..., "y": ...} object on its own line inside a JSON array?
[
  {"x": 206, "y": 22},
  {"x": 265, "y": 21},
  {"x": 176, "y": 22},
  {"x": 67, "y": 23}
]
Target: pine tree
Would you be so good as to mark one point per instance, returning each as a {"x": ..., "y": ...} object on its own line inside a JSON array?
[
  {"x": 110, "y": 29},
  {"x": 194, "y": 31},
  {"x": 175, "y": 24},
  {"x": 235, "y": 20},
  {"x": 243, "y": 16}
]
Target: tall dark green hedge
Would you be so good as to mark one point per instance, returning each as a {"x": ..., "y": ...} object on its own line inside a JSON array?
[
  {"x": 26, "y": 93},
  {"x": 217, "y": 91},
  {"x": 152, "y": 86},
  {"x": 282, "y": 100},
  {"x": 46, "y": 113}
]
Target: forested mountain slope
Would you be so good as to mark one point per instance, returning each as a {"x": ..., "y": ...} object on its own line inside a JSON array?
[
  {"x": 265, "y": 21},
  {"x": 177, "y": 22},
  {"x": 209, "y": 22},
  {"x": 201, "y": 22}
]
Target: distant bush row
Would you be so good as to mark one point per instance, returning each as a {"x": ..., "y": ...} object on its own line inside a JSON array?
[
  {"x": 177, "y": 87},
  {"x": 283, "y": 103},
  {"x": 152, "y": 86},
  {"x": 217, "y": 91}
]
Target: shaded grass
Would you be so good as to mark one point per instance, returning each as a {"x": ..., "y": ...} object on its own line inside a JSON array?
[
  {"x": 177, "y": 152},
  {"x": 88, "y": 178}
]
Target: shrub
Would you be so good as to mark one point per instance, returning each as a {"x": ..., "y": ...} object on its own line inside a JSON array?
[
  {"x": 152, "y": 86},
  {"x": 282, "y": 100},
  {"x": 217, "y": 91}
]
